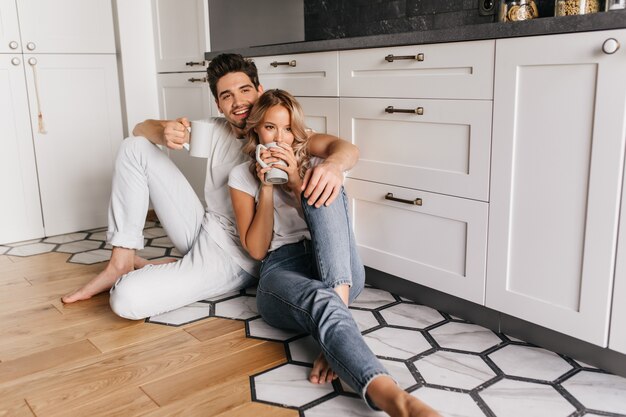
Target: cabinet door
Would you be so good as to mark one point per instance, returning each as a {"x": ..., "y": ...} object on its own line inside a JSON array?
[
  {"x": 80, "y": 103},
  {"x": 67, "y": 26},
  {"x": 181, "y": 34},
  {"x": 9, "y": 27},
  {"x": 321, "y": 114},
  {"x": 444, "y": 150},
  {"x": 20, "y": 211},
  {"x": 179, "y": 97},
  {"x": 557, "y": 160},
  {"x": 617, "y": 335},
  {"x": 441, "y": 243}
]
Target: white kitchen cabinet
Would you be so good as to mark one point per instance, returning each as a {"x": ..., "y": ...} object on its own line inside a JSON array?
[
  {"x": 181, "y": 42},
  {"x": 321, "y": 114},
  {"x": 20, "y": 217},
  {"x": 617, "y": 333},
  {"x": 10, "y": 40},
  {"x": 80, "y": 103},
  {"x": 557, "y": 161}
]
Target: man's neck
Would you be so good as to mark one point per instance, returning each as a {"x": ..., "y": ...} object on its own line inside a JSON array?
[{"x": 238, "y": 132}]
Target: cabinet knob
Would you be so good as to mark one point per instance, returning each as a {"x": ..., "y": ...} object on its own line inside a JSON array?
[
  {"x": 610, "y": 46},
  {"x": 32, "y": 61},
  {"x": 31, "y": 46},
  {"x": 16, "y": 61},
  {"x": 13, "y": 45}
]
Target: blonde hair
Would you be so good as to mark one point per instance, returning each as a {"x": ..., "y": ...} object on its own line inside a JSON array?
[{"x": 269, "y": 99}]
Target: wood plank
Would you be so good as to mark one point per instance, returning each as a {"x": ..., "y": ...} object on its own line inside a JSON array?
[
  {"x": 99, "y": 301},
  {"x": 10, "y": 282},
  {"x": 129, "y": 336},
  {"x": 40, "y": 294},
  {"x": 124, "y": 403},
  {"x": 208, "y": 329},
  {"x": 259, "y": 410},
  {"x": 65, "y": 271},
  {"x": 16, "y": 409},
  {"x": 247, "y": 362}
]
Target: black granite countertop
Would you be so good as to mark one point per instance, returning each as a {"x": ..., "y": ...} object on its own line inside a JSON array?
[{"x": 535, "y": 27}]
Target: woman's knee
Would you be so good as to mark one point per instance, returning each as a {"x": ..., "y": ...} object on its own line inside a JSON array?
[{"x": 126, "y": 302}]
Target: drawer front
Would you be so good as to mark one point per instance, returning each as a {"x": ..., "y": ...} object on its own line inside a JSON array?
[
  {"x": 462, "y": 70},
  {"x": 321, "y": 114},
  {"x": 314, "y": 74},
  {"x": 444, "y": 150},
  {"x": 441, "y": 244}
]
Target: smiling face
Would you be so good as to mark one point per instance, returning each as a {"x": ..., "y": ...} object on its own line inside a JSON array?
[
  {"x": 275, "y": 126},
  {"x": 235, "y": 96}
]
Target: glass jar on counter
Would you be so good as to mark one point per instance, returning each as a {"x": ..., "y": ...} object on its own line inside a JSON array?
[
  {"x": 615, "y": 5},
  {"x": 516, "y": 10},
  {"x": 574, "y": 7}
]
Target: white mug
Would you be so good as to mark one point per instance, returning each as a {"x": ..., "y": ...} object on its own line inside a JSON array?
[
  {"x": 200, "y": 138},
  {"x": 273, "y": 176}
]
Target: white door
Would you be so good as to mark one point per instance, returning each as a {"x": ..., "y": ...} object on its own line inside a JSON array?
[
  {"x": 180, "y": 97},
  {"x": 9, "y": 27},
  {"x": 80, "y": 105},
  {"x": 20, "y": 211},
  {"x": 557, "y": 160},
  {"x": 67, "y": 26},
  {"x": 181, "y": 34}
]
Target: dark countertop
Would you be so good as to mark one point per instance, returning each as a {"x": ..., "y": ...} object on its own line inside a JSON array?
[{"x": 541, "y": 26}]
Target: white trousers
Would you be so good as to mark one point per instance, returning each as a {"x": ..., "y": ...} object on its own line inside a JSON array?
[{"x": 144, "y": 173}]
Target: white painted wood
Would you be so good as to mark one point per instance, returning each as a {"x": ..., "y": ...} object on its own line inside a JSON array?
[
  {"x": 321, "y": 114},
  {"x": 80, "y": 103},
  {"x": 617, "y": 334},
  {"x": 181, "y": 34},
  {"x": 557, "y": 160},
  {"x": 441, "y": 244},
  {"x": 67, "y": 26},
  {"x": 449, "y": 70},
  {"x": 178, "y": 97},
  {"x": 445, "y": 150},
  {"x": 20, "y": 211},
  {"x": 9, "y": 27},
  {"x": 315, "y": 74}
]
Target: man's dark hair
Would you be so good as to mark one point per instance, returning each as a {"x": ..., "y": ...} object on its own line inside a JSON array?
[{"x": 226, "y": 63}]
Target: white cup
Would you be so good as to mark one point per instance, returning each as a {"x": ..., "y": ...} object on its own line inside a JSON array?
[
  {"x": 200, "y": 138},
  {"x": 274, "y": 175}
]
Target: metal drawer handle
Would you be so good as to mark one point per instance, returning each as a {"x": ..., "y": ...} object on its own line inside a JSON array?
[
  {"x": 392, "y": 57},
  {"x": 291, "y": 63},
  {"x": 416, "y": 202},
  {"x": 191, "y": 63},
  {"x": 417, "y": 110},
  {"x": 198, "y": 80}
]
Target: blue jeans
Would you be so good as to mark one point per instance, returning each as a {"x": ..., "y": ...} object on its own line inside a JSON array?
[{"x": 296, "y": 293}]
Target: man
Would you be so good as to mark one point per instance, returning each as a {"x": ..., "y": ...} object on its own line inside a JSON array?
[{"x": 214, "y": 261}]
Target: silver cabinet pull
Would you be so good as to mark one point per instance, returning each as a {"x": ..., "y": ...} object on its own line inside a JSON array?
[
  {"x": 417, "y": 110},
  {"x": 610, "y": 46},
  {"x": 13, "y": 45},
  {"x": 198, "y": 80},
  {"x": 31, "y": 46},
  {"x": 392, "y": 57},
  {"x": 291, "y": 63},
  {"x": 416, "y": 202},
  {"x": 191, "y": 63},
  {"x": 15, "y": 61}
]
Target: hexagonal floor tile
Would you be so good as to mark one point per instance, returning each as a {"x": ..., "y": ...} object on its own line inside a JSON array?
[
  {"x": 91, "y": 257},
  {"x": 457, "y": 370},
  {"x": 465, "y": 336},
  {"x": 365, "y": 320},
  {"x": 525, "y": 399},
  {"x": 183, "y": 315},
  {"x": 398, "y": 371},
  {"x": 223, "y": 296},
  {"x": 289, "y": 385},
  {"x": 411, "y": 315},
  {"x": 162, "y": 242},
  {"x": 237, "y": 308},
  {"x": 31, "y": 249},
  {"x": 102, "y": 236},
  {"x": 174, "y": 252},
  {"x": 449, "y": 403},
  {"x": 530, "y": 362},
  {"x": 80, "y": 246},
  {"x": 342, "y": 406},
  {"x": 598, "y": 391},
  {"x": 72, "y": 237},
  {"x": 304, "y": 350},
  {"x": 153, "y": 232},
  {"x": 396, "y": 343},
  {"x": 25, "y": 242},
  {"x": 373, "y": 298},
  {"x": 150, "y": 252},
  {"x": 259, "y": 328}
]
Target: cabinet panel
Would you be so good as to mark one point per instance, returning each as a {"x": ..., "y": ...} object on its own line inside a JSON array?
[
  {"x": 321, "y": 114},
  {"x": 67, "y": 26},
  {"x": 617, "y": 335},
  {"x": 9, "y": 28},
  {"x": 441, "y": 244},
  {"x": 445, "y": 150},
  {"x": 558, "y": 148},
  {"x": 178, "y": 44},
  {"x": 20, "y": 217},
  {"x": 313, "y": 74},
  {"x": 462, "y": 70},
  {"x": 80, "y": 102}
]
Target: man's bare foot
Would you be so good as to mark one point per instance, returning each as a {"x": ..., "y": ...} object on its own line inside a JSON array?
[
  {"x": 140, "y": 262},
  {"x": 321, "y": 372},
  {"x": 396, "y": 402},
  {"x": 121, "y": 263}
]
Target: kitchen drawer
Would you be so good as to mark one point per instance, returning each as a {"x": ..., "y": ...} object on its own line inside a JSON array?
[
  {"x": 441, "y": 244},
  {"x": 313, "y": 74},
  {"x": 444, "y": 150},
  {"x": 462, "y": 70},
  {"x": 321, "y": 114}
]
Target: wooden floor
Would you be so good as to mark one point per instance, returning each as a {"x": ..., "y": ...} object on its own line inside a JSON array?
[{"x": 82, "y": 360}]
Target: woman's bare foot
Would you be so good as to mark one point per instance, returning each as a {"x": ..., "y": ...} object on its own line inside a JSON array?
[
  {"x": 321, "y": 372},
  {"x": 140, "y": 262},
  {"x": 121, "y": 263},
  {"x": 396, "y": 402}
]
